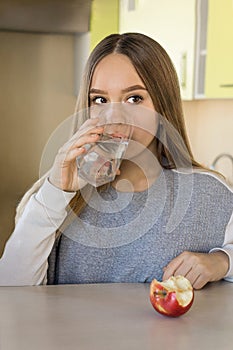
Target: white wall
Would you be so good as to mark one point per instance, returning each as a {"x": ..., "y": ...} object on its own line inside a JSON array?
[{"x": 210, "y": 129}]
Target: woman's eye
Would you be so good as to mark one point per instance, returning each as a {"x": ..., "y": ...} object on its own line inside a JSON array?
[
  {"x": 135, "y": 99},
  {"x": 98, "y": 100}
]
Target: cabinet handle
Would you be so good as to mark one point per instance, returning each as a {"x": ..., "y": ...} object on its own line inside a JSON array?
[{"x": 226, "y": 85}]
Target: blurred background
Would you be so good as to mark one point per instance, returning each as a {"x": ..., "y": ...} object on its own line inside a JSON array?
[{"x": 44, "y": 45}]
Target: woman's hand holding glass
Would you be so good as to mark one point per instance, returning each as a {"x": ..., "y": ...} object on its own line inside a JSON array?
[{"x": 64, "y": 173}]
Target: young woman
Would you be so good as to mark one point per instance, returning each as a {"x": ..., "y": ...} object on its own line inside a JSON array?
[{"x": 155, "y": 219}]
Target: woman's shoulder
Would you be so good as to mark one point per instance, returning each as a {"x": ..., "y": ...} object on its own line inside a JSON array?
[
  {"x": 208, "y": 181},
  {"x": 212, "y": 178},
  {"x": 205, "y": 190}
]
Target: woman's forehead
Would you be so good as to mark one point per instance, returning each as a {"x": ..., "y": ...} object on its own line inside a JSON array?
[{"x": 115, "y": 70}]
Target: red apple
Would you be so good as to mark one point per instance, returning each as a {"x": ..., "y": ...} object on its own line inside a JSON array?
[{"x": 172, "y": 297}]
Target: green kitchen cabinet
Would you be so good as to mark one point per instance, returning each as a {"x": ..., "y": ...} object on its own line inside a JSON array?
[
  {"x": 104, "y": 20},
  {"x": 219, "y": 51}
]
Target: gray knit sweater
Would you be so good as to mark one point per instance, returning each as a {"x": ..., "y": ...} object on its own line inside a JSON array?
[{"x": 130, "y": 237}]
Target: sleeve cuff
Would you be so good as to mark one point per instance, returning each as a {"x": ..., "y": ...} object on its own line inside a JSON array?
[
  {"x": 229, "y": 252},
  {"x": 52, "y": 197}
]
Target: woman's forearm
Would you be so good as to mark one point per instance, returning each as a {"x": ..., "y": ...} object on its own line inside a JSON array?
[{"x": 24, "y": 261}]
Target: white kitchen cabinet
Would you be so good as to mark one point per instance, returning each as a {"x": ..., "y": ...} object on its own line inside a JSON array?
[{"x": 173, "y": 24}]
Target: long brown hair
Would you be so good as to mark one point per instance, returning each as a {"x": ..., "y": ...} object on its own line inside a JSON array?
[{"x": 157, "y": 72}]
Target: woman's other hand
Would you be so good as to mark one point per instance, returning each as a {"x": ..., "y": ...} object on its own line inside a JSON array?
[{"x": 199, "y": 268}]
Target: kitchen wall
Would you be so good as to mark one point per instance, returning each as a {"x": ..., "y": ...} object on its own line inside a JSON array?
[
  {"x": 36, "y": 94},
  {"x": 210, "y": 129}
]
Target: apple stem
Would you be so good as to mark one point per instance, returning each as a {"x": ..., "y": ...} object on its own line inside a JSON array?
[{"x": 161, "y": 292}]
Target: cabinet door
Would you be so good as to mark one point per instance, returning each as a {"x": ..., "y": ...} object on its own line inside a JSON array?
[
  {"x": 171, "y": 23},
  {"x": 104, "y": 20},
  {"x": 219, "y": 60}
]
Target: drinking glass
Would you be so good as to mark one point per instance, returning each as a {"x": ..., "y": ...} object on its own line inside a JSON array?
[{"x": 99, "y": 164}]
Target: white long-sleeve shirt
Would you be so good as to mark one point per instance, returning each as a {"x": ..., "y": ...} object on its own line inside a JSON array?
[{"x": 24, "y": 261}]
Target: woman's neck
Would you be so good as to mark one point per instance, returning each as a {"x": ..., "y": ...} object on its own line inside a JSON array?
[{"x": 137, "y": 174}]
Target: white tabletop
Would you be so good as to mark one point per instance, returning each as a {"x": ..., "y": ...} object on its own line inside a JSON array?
[{"x": 111, "y": 316}]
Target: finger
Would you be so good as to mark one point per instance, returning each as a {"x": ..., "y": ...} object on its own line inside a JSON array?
[
  {"x": 197, "y": 277},
  {"x": 170, "y": 269},
  {"x": 72, "y": 154},
  {"x": 200, "y": 282},
  {"x": 192, "y": 275},
  {"x": 85, "y": 140},
  {"x": 183, "y": 269},
  {"x": 89, "y": 127},
  {"x": 78, "y": 147},
  {"x": 80, "y": 142},
  {"x": 89, "y": 131}
]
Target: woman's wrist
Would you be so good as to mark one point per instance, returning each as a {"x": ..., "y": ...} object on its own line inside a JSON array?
[
  {"x": 53, "y": 197},
  {"x": 222, "y": 261}
]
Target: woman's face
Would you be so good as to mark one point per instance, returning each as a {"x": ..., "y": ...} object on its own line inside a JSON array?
[{"x": 116, "y": 80}]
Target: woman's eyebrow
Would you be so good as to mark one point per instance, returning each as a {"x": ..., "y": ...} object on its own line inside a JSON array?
[
  {"x": 134, "y": 87},
  {"x": 128, "y": 89},
  {"x": 97, "y": 91}
]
